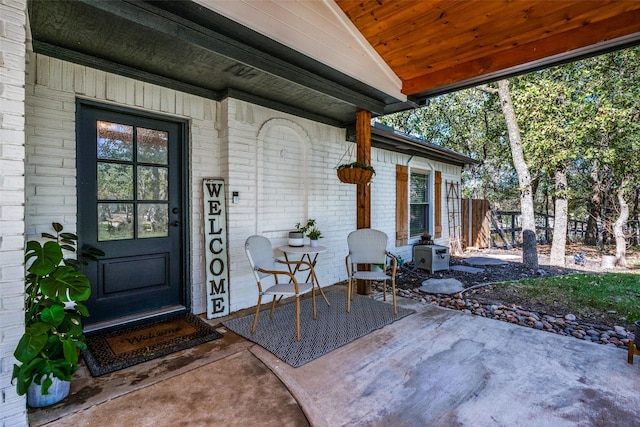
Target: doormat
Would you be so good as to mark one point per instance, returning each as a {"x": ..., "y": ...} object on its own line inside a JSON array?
[{"x": 115, "y": 350}]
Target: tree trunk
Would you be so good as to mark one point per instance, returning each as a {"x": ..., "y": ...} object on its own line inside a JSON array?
[
  {"x": 605, "y": 226},
  {"x": 618, "y": 227},
  {"x": 529, "y": 249},
  {"x": 595, "y": 206},
  {"x": 635, "y": 217},
  {"x": 560, "y": 219}
]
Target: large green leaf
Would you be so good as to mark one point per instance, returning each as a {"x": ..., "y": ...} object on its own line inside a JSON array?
[
  {"x": 70, "y": 351},
  {"x": 46, "y": 384},
  {"x": 53, "y": 315},
  {"x": 82, "y": 309},
  {"x": 29, "y": 346},
  {"x": 63, "y": 369},
  {"x": 29, "y": 372},
  {"x": 71, "y": 237},
  {"x": 38, "y": 328},
  {"x": 66, "y": 284},
  {"x": 46, "y": 257}
]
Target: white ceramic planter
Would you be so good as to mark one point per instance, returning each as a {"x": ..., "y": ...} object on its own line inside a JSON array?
[
  {"x": 296, "y": 239},
  {"x": 57, "y": 392}
]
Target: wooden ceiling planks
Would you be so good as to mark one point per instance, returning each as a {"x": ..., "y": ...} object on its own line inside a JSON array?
[
  {"x": 526, "y": 53},
  {"x": 431, "y": 44},
  {"x": 501, "y": 35}
]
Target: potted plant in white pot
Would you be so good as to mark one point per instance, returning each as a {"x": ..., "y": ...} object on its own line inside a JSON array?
[
  {"x": 296, "y": 238},
  {"x": 314, "y": 234},
  {"x": 48, "y": 351}
]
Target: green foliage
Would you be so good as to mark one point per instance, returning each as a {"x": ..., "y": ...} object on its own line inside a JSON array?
[
  {"x": 587, "y": 293},
  {"x": 314, "y": 233},
  {"x": 309, "y": 229},
  {"x": 469, "y": 122},
  {"x": 582, "y": 117},
  {"x": 359, "y": 165},
  {"x": 55, "y": 289}
]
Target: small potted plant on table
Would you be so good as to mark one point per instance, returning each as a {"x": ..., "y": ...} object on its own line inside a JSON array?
[
  {"x": 314, "y": 234},
  {"x": 296, "y": 238},
  {"x": 308, "y": 229}
]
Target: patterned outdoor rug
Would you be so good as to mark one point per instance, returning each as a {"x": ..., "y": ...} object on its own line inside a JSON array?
[
  {"x": 333, "y": 328},
  {"x": 111, "y": 351}
]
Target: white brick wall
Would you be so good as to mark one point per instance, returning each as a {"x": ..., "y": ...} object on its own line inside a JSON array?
[
  {"x": 265, "y": 155},
  {"x": 12, "y": 154},
  {"x": 51, "y": 145},
  {"x": 282, "y": 166},
  {"x": 283, "y": 169}
]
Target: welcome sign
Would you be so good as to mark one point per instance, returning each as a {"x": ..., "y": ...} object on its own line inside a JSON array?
[{"x": 215, "y": 243}]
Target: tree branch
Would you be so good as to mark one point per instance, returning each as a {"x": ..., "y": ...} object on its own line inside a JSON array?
[{"x": 486, "y": 89}]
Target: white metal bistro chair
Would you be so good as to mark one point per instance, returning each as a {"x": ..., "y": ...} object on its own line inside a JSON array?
[
  {"x": 367, "y": 249},
  {"x": 264, "y": 264}
]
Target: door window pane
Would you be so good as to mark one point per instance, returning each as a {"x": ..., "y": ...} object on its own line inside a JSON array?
[
  {"x": 115, "y": 141},
  {"x": 153, "y": 220},
  {"x": 115, "y": 221},
  {"x": 152, "y": 146},
  {"x": 153, "y": 183},
  {"x": 115, "y": 181},
  {"x": 132, "y": 177}
]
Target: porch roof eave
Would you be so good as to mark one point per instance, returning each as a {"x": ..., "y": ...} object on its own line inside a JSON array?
[{"x": 383, "y": 137}]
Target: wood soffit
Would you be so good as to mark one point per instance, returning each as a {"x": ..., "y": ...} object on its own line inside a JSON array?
[
  {"x": 438, "y": 45},
  {"x": 434, "y": 47}
]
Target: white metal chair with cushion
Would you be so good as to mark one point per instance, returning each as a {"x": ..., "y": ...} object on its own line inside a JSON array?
[
  {"x": 367, "y": 250},
  {"x": 264, "y": 264}
]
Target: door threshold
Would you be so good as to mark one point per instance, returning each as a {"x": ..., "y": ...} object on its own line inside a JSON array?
[{"x": 135, "y": 318}]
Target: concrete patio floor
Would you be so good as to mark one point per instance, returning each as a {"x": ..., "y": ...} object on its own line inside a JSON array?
[{"x": 437, "y": 367}]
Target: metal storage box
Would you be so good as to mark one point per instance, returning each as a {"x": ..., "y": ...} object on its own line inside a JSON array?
[{"x": 431, "y": 257}]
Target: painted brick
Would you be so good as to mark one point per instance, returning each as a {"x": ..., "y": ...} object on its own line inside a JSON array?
[
  {"x": 221, "y": 134},
  {"x": 13, "y": 421},
  {"x": 12, "y": 178},
  {"x": 13, "y": 95},
  {"x": 11, "y": 197},
  {"x": 10, "y": 151},
  {"x": 12, "y": 333},
  {"x": 11, "y": 243},
  {"x": 11, "y": 136}
]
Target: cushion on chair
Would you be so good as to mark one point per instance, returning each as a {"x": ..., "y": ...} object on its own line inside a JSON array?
[
  {"x": 288, "y": 289},
  {"x": 370, "y": 275}
]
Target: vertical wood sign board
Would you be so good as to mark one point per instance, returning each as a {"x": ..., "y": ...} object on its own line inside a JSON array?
[{"x": 215, "y": 244}]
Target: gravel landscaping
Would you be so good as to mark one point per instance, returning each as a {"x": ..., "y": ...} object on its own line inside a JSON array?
[{"x": 481, "y": 299}]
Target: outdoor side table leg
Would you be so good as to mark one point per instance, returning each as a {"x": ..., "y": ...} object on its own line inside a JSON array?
[{"x": 314, "y": 278}]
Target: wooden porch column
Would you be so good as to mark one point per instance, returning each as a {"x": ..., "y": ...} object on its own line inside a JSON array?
[{"x": 363, "y": 197}]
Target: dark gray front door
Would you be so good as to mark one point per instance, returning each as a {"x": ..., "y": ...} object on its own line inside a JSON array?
[{"x": 130, "y": 205}]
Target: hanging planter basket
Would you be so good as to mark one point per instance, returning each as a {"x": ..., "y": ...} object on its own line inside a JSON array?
[{"x": 355, "y": 175}]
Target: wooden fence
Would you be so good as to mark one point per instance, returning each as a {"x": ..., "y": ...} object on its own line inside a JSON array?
[
  {"x": 484, "y": 228},
  {"x": 476, "y": 220}
]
